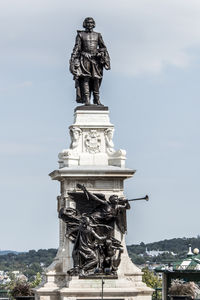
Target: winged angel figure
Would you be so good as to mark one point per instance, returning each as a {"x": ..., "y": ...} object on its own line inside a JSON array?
[{"x": 90, "y": 227}]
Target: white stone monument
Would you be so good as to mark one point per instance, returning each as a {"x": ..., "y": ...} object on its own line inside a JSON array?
[{"x": 91, "y": 160}]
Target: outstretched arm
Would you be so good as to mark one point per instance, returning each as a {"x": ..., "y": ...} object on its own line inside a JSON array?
[
  {"x": 91, "y": 196},
  {"x": 98, "y": 237},
  {"x": 102, "y": 225}
]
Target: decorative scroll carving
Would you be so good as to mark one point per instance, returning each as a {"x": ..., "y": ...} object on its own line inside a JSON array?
[
  {"x": 112, "y": 153},
  {"x": 109, "y": 142},
  {"x": 75, "y": 134}
]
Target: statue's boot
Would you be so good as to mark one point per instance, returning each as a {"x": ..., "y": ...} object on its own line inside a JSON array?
[
  {"x": 96, "y": 99},
  {"x": 87, "y": 99}
]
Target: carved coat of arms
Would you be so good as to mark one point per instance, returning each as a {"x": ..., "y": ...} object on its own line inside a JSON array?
[{"x": 92, "y": 142}]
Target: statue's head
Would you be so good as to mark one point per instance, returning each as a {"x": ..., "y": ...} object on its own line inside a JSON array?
[
  {"x": 89, "y": 23},
  {"x": 75, "y": 133},
  {"x": 109, "y": 132},
  {"x": 113, "y": 199},
  {"x": 85, "y": 220},
  {"x": 108, "y": 242}
]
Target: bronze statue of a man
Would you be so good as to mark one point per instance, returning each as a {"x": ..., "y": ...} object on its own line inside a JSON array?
[{"x": 88, "y": 59}]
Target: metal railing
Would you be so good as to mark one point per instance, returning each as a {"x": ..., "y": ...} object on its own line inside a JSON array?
[{"x": 4, "y": 295}]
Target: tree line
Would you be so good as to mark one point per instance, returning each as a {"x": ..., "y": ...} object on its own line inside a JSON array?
[{"x": 32, "y": 262}]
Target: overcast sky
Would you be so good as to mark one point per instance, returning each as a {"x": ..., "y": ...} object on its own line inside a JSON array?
[{"x": 152, "y": 92}]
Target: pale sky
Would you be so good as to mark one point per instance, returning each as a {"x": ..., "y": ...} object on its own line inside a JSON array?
[{"x": 152, "y": 92}]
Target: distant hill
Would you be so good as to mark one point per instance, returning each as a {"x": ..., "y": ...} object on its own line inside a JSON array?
[
  {"x": 31, "y": 262},
  {"x": 178, "y": 246},
  {"x": 4, "y": 252}
]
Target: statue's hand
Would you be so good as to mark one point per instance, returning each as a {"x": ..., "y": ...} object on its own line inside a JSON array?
[
  {"x": 107, "y": 67},
  {"x": 74, "y": 65},
  {"x": 100, "y": 54},
  {"x": 73, "y": 71},
  {"x": 81, "y": 186}
]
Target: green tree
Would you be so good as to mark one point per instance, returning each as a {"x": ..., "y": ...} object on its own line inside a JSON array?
[
  {"x": 37, "y": 280},
  {"x": 152, "y": 281}
]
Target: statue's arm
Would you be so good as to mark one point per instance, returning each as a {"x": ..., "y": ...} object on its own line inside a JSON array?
[
  {"x": 105, "y": 58},
  {"x": 123, "y": 203},
  {"x": 72, "y": 224},
  {"x": 127, "y": 206},
  {"x": 89, "y": 195},
  {"x": 102, "y": 225},
  {"x": 94, "y": 197},
  {"x": 101, "y": 42},
  {"x": 100, "y": 238},
  {"x": 77, "y": 47},
  {"x": 74, "y": 62}
]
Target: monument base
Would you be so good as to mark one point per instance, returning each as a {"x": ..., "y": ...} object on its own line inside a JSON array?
[
  {"x": 127, "y": 285},
  {"x": 125, "y": 288},
  {"x": 92, "y": 162}
]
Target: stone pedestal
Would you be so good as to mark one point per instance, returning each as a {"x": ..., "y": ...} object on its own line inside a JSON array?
[{"x": 91, "y": 160}]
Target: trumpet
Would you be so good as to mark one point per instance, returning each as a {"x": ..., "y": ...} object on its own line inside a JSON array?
[{"x": 137, "y": 199}]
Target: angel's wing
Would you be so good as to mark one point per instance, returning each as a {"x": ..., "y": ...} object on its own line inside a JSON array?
[
  {"x": 121, "y": 220},
  {"x": 83, "y": 204}
]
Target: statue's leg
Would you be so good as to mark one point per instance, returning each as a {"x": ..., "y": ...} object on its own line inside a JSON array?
[
  {"x": 96, "y": 85},
  {"x": 86, "y": 90},
  {"x": 78, "y": 83},
  {"x": 116, "y": 261},
  {"x": 75, "y": 256},
  {"x": 89, "y": 266}
]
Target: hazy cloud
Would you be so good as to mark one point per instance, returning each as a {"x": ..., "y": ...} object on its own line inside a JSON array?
[
  {"x": 143, "y": 36},
  {"x": 156, "y": 121},
  {"x": 12, "y": 148},
  {"x": 19, "y": 85}
]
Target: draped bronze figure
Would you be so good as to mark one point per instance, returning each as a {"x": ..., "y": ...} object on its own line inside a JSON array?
[
  {"x": 88, "y": 59},
  {"x": 90, "y": 227}
]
